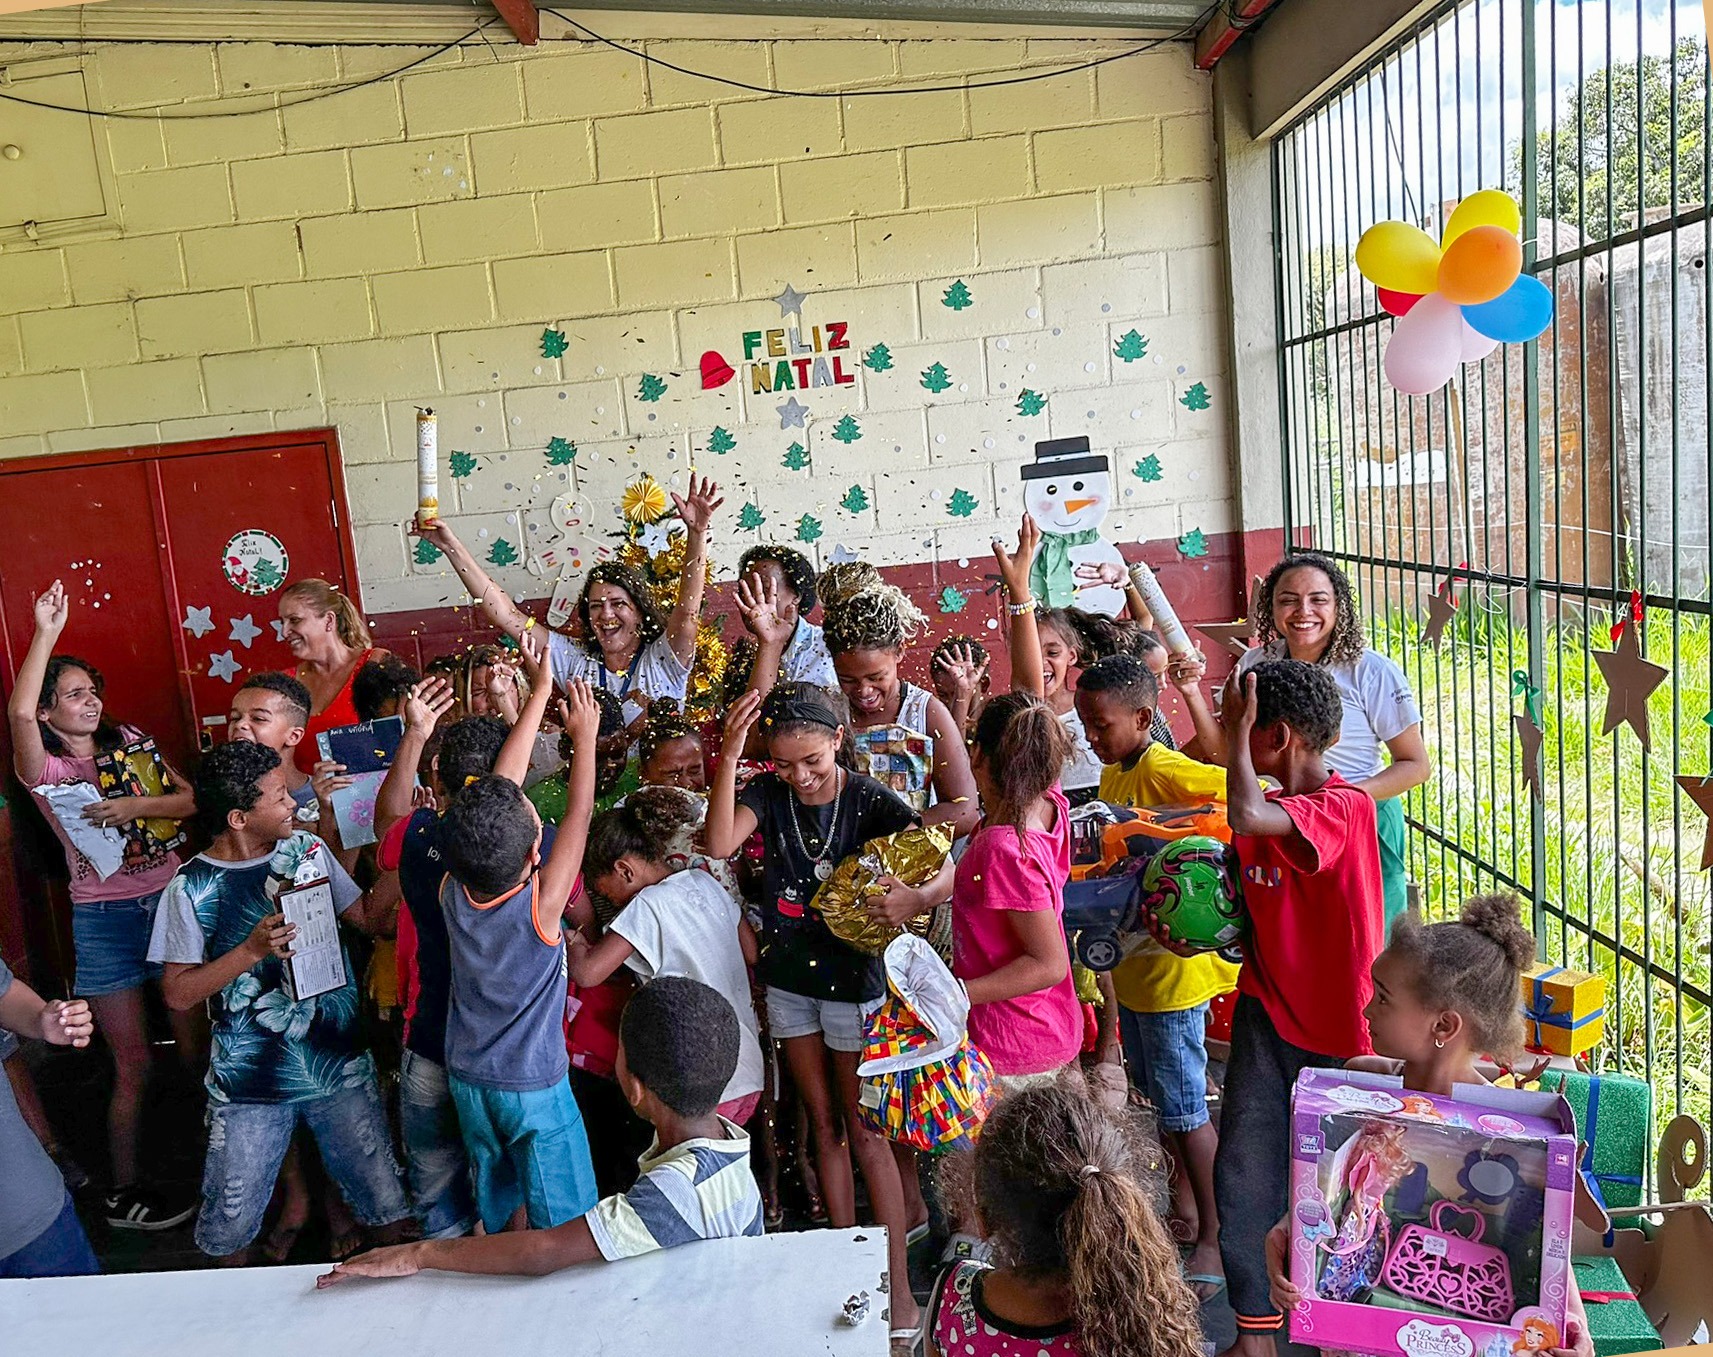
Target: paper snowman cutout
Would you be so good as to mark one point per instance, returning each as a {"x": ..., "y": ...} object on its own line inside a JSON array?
[{"x": 1067, "y": 491}]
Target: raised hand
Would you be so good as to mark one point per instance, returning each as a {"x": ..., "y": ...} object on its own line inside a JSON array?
[
  {"x": 696, "y": 509},
  {"x": 739, "y": 719},
  {"x": 1093, "y": 576},
  {"x": 532, "y": 658},
  {"x": 52, "y": 609},
  {"x": 1014, "y": 565},
  {"x": 1187, "y": 670},
  {"x": 426, "y": 703},
  {"x": 758, "y": 605},
  {"x": 960, "y": 669},
  {"x": 436, "y": 531},
  {"x": 580, "y": 714}
]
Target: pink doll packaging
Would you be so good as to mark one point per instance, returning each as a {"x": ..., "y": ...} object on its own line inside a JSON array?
[{"x": 1429, "y": 1226}]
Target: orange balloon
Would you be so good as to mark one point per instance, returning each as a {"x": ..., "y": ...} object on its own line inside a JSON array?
[{"x": 1479, "y": 265}]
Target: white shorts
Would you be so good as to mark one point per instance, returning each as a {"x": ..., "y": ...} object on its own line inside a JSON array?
[{"x": 797, "y": 1015}]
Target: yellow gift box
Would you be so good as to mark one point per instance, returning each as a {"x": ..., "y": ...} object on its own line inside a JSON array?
[{"x": 1564, "y": 1012}]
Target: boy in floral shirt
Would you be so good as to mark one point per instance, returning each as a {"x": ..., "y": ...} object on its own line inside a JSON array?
[{"x": 219, "y": 936}]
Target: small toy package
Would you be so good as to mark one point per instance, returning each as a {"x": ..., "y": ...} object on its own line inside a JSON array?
[{"x": 1430, "y": 1226}]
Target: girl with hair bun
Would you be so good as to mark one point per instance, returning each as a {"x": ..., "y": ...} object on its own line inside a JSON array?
[
  {"x": 868, "y": 625},
  {"x": 326, "y": 633}
]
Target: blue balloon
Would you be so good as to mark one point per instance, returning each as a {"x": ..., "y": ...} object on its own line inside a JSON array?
[{"x": 1516, "y": 315}]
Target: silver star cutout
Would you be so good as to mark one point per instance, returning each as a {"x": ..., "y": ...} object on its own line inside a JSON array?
[
  {"x": 842, "y": 555},
  {"x": 244, "y": 630},
  {"x": 223, "y": 666},
  {"x": 279, "y": 629},
  {"x": 790, "y": 302},
  {"x": 792, "y": 414},
  {"x": 198, "y": 621}
]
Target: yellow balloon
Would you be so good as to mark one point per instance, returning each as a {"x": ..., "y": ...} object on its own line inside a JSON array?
[
  {"x": 1400, "y": 257},
  {"x": 1489, "y": 207}
]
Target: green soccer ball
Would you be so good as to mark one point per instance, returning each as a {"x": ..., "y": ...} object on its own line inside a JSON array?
[{"x": 1194, "y": 888}]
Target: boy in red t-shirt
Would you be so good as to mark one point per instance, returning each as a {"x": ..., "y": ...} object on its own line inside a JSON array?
[{"x": 1311, "y": 880}]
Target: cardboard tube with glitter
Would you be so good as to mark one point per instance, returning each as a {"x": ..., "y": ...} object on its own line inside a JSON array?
[
  {"x": 1165, "y": 617},
  {"x": 427, "y": 468}
]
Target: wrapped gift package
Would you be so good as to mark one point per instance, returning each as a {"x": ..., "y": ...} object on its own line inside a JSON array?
[
  {"x": 1564, "y": 1012},
  {"x": 1614, "y": 1122},
  {"x": 1616, "y": 1321},
  {"x": 1431, "y": 1226}
]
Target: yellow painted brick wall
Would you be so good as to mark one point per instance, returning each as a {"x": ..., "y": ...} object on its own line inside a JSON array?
[{"x": 343, "y": 261}]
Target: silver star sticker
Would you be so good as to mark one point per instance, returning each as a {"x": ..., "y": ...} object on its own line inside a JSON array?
[
  {"x": 223, "y": 666},
  {"x": 244, "y": 630},
  {"x": 792, "y": 415},
  {"x": 842, "y": 555},
  {"x": 279, "y": 629},
  {"x": 198, "y": 621},
  {"x": 790, "y": 302}
]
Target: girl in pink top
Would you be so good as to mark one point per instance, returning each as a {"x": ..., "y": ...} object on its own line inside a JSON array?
[
  {"x": 1065, "y": 1190},
  {"x": 59, "y": 724},
  {"x": 1008, "y": 936}
]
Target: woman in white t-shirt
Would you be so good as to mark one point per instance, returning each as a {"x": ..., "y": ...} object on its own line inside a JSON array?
[
  {"x": 624, "y": 646},
  {"x": 1307, "y": 612}
]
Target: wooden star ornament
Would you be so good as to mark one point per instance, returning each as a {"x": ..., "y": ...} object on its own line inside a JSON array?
[
  {"x": 1529, "y": 740},
  {"x": 1442, "y": 607},
  {"x": 1630, "y": 681},
  {"x": 1700, "y": 791}
]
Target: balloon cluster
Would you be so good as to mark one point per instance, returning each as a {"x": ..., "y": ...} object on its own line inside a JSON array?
[{"x": 1458, "y": 300}]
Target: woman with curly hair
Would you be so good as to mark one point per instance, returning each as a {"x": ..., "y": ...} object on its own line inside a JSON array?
[
  {"x": 776, "y": 588},
  {"x": 1307, "y": 612},
  {"x": 622, "y": 644}
]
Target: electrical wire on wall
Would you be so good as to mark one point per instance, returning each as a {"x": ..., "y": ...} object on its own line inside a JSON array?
[{"x": 1007, "y": 76}]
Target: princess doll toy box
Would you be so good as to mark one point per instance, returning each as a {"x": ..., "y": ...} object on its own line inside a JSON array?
[{"x": 1429, "y": 1226}]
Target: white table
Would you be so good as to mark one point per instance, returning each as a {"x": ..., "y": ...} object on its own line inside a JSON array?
[{"x": 774, "y": 1296}]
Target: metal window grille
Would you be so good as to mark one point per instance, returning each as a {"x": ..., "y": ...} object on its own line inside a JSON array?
[{"x": 1546, "y": 483}]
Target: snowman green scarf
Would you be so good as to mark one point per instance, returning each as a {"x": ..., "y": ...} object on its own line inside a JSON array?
[{"x": 1051, "y": 579}]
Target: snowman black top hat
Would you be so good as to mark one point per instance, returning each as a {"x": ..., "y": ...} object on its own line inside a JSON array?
[{"x": 1065, "y": 457}]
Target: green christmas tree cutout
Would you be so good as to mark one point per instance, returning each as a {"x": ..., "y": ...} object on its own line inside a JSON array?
[
  {"x": 936, "y": 378},
  {"x": 855, "y": 500},
  {"x": 1130, "y": 347},
  {"x": 461, "y": 465},
  {"x": 721, "y": 441},
  {"x": 750, "y": 517},
  {"x": 1196, "y": 398},
  {"x": 957, "y": 296},
  {"x": 266, "y": 574},
  {"x": 1192, "y": 544},
  {"x": 502, "y": 553},
  {"x": 650, "y": 388},
  {"x": 808, "y": 529},
  {"x": 1030, "y": 402},
  {"x": 560, "y": 451},
  {"x": 554, "y": 343},
  {"x": 1148, "y": 468},
  {"x": 877, "y": 359},
  {"x": 796, "y": 457},
  {"x": 426, "y": 552},
  {"x": 962, "y": 504},
  {"x": 847, "y": 431},
  {"x": 952, "y": 600}
]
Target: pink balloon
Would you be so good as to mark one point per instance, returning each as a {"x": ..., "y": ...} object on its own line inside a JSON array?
[
  {"x": 1426, "y": 346},
  {"x": 1476, "y": 345}
]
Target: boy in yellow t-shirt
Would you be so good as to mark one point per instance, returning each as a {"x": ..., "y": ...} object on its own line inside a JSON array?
[{"x": 1163, "y": 998}]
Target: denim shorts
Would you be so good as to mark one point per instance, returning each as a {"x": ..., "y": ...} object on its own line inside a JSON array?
[
  {"x": 247, "y": 1143},
  {"x": 1167, "y": 1053},
  {"x": 434, "y": 1150},
  {"x": 797, "y": 1015},
  {"x": 526, "y": 1149},
  {"x": 112, "y": 940},
  {"x": 61, "y": 1250}
]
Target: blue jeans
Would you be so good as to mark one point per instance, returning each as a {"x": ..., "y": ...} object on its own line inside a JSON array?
[
  {"x": 111, "y": 938},
  {"x": 247, "y": 1143},
  {"x": 434, "y": 1149},
  {"x": 526, "y": 1148},
  {"x": 61, "y": 1250},
  {"x": 1167, "y": 1054}
]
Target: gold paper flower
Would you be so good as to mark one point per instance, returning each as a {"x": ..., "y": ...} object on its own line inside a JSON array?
[{"x": 644, "y": 501}]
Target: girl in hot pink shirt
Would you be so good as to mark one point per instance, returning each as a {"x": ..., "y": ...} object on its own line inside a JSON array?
[{"x": 1008, "y": 936}]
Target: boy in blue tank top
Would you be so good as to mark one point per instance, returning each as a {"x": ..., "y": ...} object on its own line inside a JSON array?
[{"x": 505, "y": 1042}]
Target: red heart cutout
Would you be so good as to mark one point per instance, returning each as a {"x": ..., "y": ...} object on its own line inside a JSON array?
[{"x": 716, "y": 372}]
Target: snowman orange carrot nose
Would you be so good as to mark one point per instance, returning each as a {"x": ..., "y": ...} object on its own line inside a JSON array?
[{"x": 1072, "y": 505}]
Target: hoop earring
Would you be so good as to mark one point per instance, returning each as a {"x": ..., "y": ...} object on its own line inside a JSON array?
[{"x": 1439, "y": 1043}]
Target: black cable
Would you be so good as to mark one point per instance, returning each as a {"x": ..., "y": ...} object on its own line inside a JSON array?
[
  {"x": 1187, "y": 30},
  {"x": 309, "y": 98}
]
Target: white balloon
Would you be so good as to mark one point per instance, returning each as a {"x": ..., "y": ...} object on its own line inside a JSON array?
[{"x": 1426, "y": 347}]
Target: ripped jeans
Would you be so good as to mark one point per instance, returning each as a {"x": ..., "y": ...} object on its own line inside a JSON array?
[{"x": 247, "y": 1143}]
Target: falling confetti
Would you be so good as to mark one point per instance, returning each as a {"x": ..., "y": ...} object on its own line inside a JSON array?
[
  {"x": 962, "y": 504},
  {"x": 957, "y": 296},
  {"x": 1030, "y": 402},
  {"x": 855, "y": 500},
  {"x": 808, "y": 529},
  {"x": 1130, "y": 347},
  {"x": 936, "y": 378},
  {"x": 1148, "y": 468},
  {"x": 1196, "y": 398},
  {"x": 796, "y": 457},
  {"x": 878, "y": 359},
  {"x": 952, "y": 600},
  {"x": 461, "y": 465},
  {"x": 750, "y": 517},
  {"x": 554, "y": 343},
  {"x": 847, "y": 431},
  {"x": 651, "y": 387},
  {"x": 1192, "y": 544},
  {"x": 721, "y": 440},
  {"x": 560, "y": 451}
]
